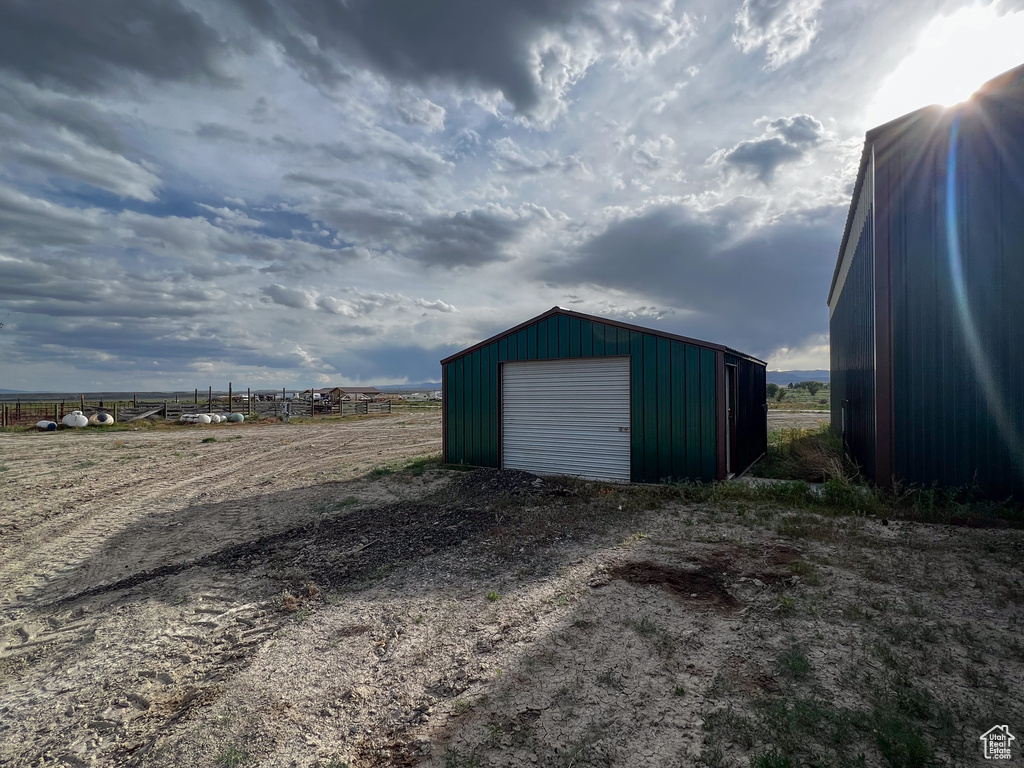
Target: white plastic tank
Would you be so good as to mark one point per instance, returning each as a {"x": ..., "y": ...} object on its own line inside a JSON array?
[
  {"x": 46, "y": 426},
  {"x": 203, "y": 418},
  {"x": 75, "y": 419}
]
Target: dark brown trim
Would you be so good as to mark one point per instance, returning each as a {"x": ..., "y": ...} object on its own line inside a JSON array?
[
  {"x": 444, "y": 414},
  {"x": 606, "y": 321},
  {"x": 884, "y": 437},
  {"x": 721, "y": 415}
]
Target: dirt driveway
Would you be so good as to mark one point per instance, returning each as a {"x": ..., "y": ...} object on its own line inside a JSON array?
[{"x": 262, "y": 600}]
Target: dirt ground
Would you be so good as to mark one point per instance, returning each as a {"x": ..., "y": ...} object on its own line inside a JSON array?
[
  {"x": 778, "y": 419},
  {"x": 268, "y": 600}
]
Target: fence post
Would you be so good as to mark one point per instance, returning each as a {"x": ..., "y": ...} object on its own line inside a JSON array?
[
  {"x": 231, "y": 398},
  {"x": 248, "y": 400},
  {"x": 115, "y": 412},
  {"x": 55, "y": 416},
  {"x": 209, "y": 401},
  {"x": 81, "y": 399}
]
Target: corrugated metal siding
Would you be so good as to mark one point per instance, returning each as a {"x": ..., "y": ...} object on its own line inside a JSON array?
[
  {"x": 672, "y": 394},
  {"x": 567, "y": 417},
  {"x": 751, "y": 421},
  {"x": 959, "y": 393},
  {"x": 852, "y": 345}
]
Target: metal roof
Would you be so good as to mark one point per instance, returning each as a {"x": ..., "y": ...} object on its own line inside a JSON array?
[
  {"x": 596, "y": 319},
  {"x": 1004, "y": 84}
]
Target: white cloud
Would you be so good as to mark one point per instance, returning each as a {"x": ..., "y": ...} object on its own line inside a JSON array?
[
  {"x": 784, "y": 28},
  {"x": 811, "y": 354}
]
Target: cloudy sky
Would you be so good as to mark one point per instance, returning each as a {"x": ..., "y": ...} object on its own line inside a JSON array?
[{"x": 345, "y": 191}]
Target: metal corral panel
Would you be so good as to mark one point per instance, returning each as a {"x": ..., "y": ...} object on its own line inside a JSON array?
[{"x": 567, "y": 417}]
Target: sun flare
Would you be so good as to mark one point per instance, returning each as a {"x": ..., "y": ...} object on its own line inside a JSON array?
[{"x": 954, "y": 55}]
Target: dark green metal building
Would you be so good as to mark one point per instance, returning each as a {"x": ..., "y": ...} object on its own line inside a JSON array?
[
  {"x": 569, "y": 393},
  {"x": 927, "y": 330}
]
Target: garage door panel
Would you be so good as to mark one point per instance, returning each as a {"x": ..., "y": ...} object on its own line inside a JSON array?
[{"x": 567, "y": 417}]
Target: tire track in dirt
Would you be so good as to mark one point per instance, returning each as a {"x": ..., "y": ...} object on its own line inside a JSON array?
[
  {"x": 113, "y": 670},
  {"x": 235, "y": 481},
  {"x": 58, "y": 556}
]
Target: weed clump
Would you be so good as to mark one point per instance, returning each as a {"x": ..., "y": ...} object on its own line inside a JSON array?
[{"x": 812, "y": 455}]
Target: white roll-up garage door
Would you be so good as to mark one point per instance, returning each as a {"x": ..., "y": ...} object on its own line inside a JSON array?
[{"x": 567, "y": 417}]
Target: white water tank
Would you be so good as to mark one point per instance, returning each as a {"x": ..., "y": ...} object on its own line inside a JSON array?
[{"x": 75, "y": 419}]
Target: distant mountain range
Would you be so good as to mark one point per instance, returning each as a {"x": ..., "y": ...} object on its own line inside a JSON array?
[{"x": 792, "y": 377}]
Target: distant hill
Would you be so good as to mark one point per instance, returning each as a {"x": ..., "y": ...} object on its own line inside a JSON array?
[
  {"x": 13, "y": 392},
  {"x": 792, "y": 377}
]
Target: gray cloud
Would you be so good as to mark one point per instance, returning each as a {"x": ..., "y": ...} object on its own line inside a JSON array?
[
  {"x": 290, "y": 297},
  {"x": 753, "y": 291},
  {"x": 28, "y": 109},
  {"x": 467, "y": 238},
  {"x": 463, "y": 40},
  {"x": 27, "y": 222},
  {"x": 785, "y": 140},
  {"x": 67, "y": 46},
  {"x": 507, "y": 47},
  {"x": 74, "y": 159},
  {"x": 800, "y": 130},
  {"x": 219, "y": 132}
]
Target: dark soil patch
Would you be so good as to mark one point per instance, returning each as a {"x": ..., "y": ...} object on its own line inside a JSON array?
[
  {"x": 360, "y": 545},
  {"x": 732, "y": 562},
  {"x": 688, "y": 585}
]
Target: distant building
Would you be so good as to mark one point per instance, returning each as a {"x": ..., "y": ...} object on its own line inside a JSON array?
[{"x": 926, "y": 327}]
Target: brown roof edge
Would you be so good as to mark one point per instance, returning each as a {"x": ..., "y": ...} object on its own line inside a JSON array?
[{"x": 597, "y": 319}]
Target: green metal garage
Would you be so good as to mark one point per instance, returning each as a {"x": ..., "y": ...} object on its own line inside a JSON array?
[{"x": 574, "y": 394}]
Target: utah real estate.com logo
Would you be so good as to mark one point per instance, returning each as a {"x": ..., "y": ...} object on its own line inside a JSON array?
[{"x": 997, "y": 742}]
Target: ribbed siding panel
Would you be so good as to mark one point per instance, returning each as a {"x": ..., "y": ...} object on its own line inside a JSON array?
[
  {"x": 566, "y": 417},
  {"x": 958, "y": 336},
  {"x": 751, "y": 421},
  {"x": 852, "y": 351}
]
